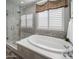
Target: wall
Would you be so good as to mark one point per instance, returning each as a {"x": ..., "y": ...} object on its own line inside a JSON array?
[
  {"x": 59, "y": 34},
  {"x": 12, "y": 20}
]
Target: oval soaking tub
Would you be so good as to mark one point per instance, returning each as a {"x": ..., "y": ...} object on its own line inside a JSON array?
[{"x": 50, "y": 43}]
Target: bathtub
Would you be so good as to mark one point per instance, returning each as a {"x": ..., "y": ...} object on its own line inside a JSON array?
[
  {"x": 50, "y": 43},
  {"x": 47, "y": 46}
]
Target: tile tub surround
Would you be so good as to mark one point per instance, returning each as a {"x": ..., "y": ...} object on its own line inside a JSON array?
[
  {"x": 36, "y": 52},
  {"x": 52, "y": 33},
  {"x": 11, "y": 47},
  {"x": 11, "y": 53},
  {"x": 24, "y": 43},
  {"x": 25, "y": 34}
]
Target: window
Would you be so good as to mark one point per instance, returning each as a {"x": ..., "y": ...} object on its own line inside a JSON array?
[
  {"x": 23, "y": 21},
  {"x": 29, "y": 20},
  {"x": 56, "y": 21},
  {"x": 51, "y": 20},
  {"x": 42, "y": 20}
]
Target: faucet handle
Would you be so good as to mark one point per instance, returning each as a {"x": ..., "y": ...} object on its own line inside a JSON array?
[{"x": 68, "y": 56}]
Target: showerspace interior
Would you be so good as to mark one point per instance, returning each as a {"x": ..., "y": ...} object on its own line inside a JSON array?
[{"x": 39, "y": 29}]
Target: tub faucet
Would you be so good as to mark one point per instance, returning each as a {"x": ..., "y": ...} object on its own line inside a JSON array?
[{"x": 70, "y": 54}]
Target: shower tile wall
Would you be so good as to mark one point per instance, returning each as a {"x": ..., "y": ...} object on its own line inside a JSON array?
[{"x": 12, "y": 19}]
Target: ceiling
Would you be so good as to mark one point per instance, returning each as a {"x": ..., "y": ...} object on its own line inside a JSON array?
[{"x": 25, "y": 2}]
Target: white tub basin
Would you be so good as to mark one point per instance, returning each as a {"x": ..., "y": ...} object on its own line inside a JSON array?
[{"x": 50, "y": 43}]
